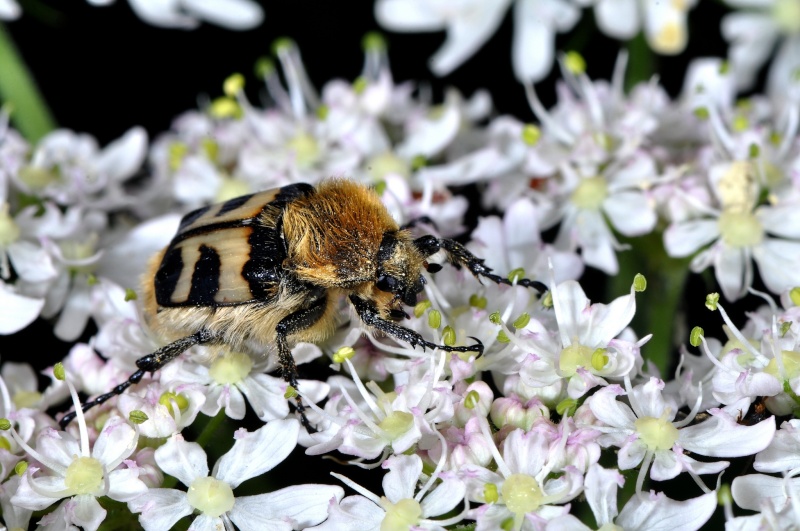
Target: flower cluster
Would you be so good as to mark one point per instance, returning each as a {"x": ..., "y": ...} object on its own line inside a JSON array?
[{"x": 560, "y": 408}]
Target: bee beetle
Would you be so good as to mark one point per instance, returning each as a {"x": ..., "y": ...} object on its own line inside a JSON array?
[{"x": 270, "y": 267}]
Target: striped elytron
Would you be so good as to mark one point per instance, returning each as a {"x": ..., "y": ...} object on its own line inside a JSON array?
[{"x": 269, "y": 269}]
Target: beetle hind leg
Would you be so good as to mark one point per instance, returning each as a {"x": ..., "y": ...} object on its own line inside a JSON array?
[{"x": 149, "y": 363}]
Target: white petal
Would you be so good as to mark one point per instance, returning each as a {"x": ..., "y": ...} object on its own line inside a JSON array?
[
  {"x": 428, "y": 136},
  {"x": 230, "y": 14},
  {"x": 443, "y": 498},
  {"x": 408, "y": 15},
  {"x": 265, "y": 395},
  {"x": 124, "y": 156},
  {"x": 467, "y": 31},
  {"x": 600, "y": 487},
  {"x": 164, "y": 13},
  {"x": 630, "y": 213},
  {"x": 750, "y": 491},
  {"x": 303, "y": 505},
  {"x": 611, "y": 411},
  {"x": 570, "y": 304},
  {"x": 784, "y": 66},
  {"x": 31, "y": 262},
  {"x": 721, "y": 436},
  {"x": 533, "y": 47},
  {"x": 18, "y": 311},
  {"x": 116, "y": 442},
  {"x": 203, "y": 522},
  {"x": 75, "y": 314},
  {"x": 160, "y": 508},
  {"x": 255, "y": 453},
  {"x": 607, "y": 321},
  {"x": 617, "y": 18},
  {"x": 665, "y": 27},
  {"x": 181, "y": 459},
  {"x": 354, "y": 513},
  {"x": 731, "y": 265},
  {"x": 780, "y": 220},
  {"x": 659, "y": 513},
  {"x": 125, "y": 485},
  {"x": 779, "y": 264},
  {"x": 87, "y": 512},
  {"x": 682, "y": 239},
  {"x": 9, "y": 10},
  {"x": 399, "y": 482},
  {"x": 752, "y": 37}
]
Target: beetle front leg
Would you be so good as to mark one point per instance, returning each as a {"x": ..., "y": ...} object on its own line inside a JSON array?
[
  {"x": 371, "y": 317},
  {"x": 460, "y": 256}
]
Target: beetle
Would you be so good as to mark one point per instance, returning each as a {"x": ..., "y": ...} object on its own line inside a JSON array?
[{"x": 270, "y": 267}]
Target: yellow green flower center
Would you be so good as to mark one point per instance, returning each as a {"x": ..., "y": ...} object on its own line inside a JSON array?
[
  {"x": 740, "y": 229},
  {"x": 786, "y": 14},
  {"x": 9, "y": 232},
  {"x": 656, "y": 433},
  {"x": 577, "y": 355},
  {"x": 306, "y": 150},
  {"x": 231, "y": 368},
  {"x": 400, "y": 516},
  {"x": 397, "y": 423},
  {"x": 387, "y": 163},
  {"x": 84, "y": 476},
  {"x": 590, "y": 193},
  {"x": 27, "y": 399},
  {"x": 38, "y": 178},
  {"x": 210, "y": 496},
  {"x": 791, "y": 365},
  {"x": 169, "y": 398},
  {"x": 521, "y": 494}
]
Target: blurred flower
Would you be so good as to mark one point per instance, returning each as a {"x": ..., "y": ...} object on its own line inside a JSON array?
[{"x": 187, "y": 14}]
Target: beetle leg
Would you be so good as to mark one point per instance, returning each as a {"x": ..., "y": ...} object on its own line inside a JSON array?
[
  {"x": 291, "y": 324},
  {"x": 371, "y": 317},
  {"x": 149, "y": 363},
  {"x": 459, "y": 256}
]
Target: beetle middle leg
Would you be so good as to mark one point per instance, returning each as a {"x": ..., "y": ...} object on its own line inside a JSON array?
[
  {"x": 149, "y": 363},
  {"x": 293, "y": 323},
  {"x": 460, "y": 256}
]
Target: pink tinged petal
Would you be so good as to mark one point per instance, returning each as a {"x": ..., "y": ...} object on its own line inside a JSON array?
[
  {"x": 235, "y": 406},
  {"x": 230, "y": 14},
  {"x": 265, "y": 395},
  {"x": 18, "y": 311},
  {"x": 296, "y": 507},
  {"x": 354, "y": 513},
  {"x": 778, "y": 263},
  {"x": 443, "y": 498},
  {"x": 115, "y": 443},
  {"x": 467, "y": 31},
  {"x": 29, "y": 498},
  {"x": 183, "y": 460},
  {"x": 617, "y": 18},
  {"x": 125, "y": 485},
  {"x": 722, "y": 436},
  {"x": 86, "y": 512},
  {"x": 600, "y": 487},
  {"x": 257, "y": 452},
  {"x": 609, "y": 410},
  {"x": 750, "y": 491},
  {"x": 656, "y": 512},
  {"x": 526, "y": 453},
  {"x": 59, "y": 447},
  {"x": 408, "y": 15},
  {"x": 160, "y": 508},
  {"x": 165, "y": 13},
  {"x": 683, "y": 239},
  {"x": 733, "y": 270},
  {"x": 650, "y": 401},
  {"x": 630, "y": 213},
  {"x": 400, "y": 481},
  {"x": 123, "y": 157}
]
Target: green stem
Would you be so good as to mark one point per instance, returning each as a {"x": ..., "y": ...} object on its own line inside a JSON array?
[
  {"x": 658, "y": 309},
  {"x": 18, "y": 91},
  {"x": 641, "y": 61}
]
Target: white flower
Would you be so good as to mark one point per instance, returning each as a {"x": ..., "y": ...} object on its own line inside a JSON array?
[
  {"x": 20, "y": 311},
  {"x": 9, "y": 10},
  {"x": 646, "y": 433},
  {"x": 80, "y": 474},
  {"x": 754, "y": 32},
  {"x": 211, "y": 495},
  {"x": 399, "y": 509},
  {"x": 470, "y": 23}
]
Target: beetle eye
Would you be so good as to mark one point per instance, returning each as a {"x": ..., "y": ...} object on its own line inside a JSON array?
[{"x": 387, "y": 283}]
